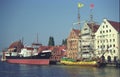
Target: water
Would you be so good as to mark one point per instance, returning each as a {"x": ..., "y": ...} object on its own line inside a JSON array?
[{"x": 21, "y": 70}]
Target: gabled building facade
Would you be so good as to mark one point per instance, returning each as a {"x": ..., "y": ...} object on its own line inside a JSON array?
[
  {"x": 107, "y": 40},
  {"x": 72, "y": 44},
  {"x": 87, "y": 40}
]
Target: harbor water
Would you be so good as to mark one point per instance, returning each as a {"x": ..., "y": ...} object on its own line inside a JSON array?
[{"x": 22, "y": 70}]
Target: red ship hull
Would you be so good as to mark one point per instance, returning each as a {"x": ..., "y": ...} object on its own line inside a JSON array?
[{"x": 29, "y": 61}]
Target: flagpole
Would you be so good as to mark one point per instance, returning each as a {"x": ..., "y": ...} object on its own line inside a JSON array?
[
  {"x": 79, "y": 50},
  {"x": 92, "y": 23},
  {"x": 79, "y": 17}
]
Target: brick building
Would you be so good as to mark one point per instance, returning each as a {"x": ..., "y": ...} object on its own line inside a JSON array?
[{"x": 72, "y": 44}]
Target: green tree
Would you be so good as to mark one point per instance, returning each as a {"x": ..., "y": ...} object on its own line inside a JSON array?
[
  {"x": 64, "y": 42},
  {"x": 51, "y": 41}
]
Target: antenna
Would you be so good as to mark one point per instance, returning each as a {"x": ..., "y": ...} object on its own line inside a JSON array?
[
  {"x": 37, "y": 37},
  {"x": 22, "y": 40}
]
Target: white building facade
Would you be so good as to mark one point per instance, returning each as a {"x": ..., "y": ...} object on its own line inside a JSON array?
[
  {"x": 107, "y": 40},
  {"x": 87, "y": 40}
]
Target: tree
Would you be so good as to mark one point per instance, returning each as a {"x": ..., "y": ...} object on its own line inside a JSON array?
[
  {"x": 51, "y": 41},
  {"x": 64, "y": 42}
]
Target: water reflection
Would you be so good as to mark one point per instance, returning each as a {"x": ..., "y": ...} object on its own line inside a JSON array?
[{"x": 21, "y": 70}]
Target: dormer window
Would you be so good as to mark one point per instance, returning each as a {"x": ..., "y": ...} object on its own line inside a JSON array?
[{"x": 85, "y": 29}]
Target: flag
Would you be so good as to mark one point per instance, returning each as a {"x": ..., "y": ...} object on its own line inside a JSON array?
[
  {"x": 80, "y": 5},
  {"x": 91, "y": 6}
]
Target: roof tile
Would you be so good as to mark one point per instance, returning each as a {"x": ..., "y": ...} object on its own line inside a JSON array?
[{"x": 115, "y": 24}]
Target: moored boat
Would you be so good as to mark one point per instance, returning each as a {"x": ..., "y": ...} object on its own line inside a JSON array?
[
  {"x": 27, "y": 55},
  {"x": 79, "y": 63}
]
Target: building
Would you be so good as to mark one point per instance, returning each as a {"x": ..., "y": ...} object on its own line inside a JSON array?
[
  {"x": 72, "y": 44},
  {"x": 57, "y": 52},
  {"x": 107, "y": 42},
  {"x": 87, "y": 40}
]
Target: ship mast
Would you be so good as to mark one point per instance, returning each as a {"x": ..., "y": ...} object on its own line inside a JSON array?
[
  {"x": 91, "y": 17},
  {"x": 37, "y": 37},
  {"x": 80, "y": 5},
  {"x": 92, "y": 24},
  {"x": 36, "y": 44}
]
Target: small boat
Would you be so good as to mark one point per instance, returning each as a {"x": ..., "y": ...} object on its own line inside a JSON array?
[{"x": 79, "y": 63}]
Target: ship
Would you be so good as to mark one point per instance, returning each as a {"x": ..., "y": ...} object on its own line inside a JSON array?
[
  {"x": 82, "y": 53},
  {"x": 27, "y": 55},
  {"x": 67, "y": 61}
]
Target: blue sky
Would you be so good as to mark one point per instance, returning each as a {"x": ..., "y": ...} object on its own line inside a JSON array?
[{"x": 26, "y": 18}]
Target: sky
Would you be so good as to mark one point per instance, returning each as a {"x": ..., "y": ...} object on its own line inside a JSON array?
[{"x": 27, "y": 18}]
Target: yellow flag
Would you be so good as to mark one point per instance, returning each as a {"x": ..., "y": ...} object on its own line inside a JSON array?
[{"x": 80, "y": 5}]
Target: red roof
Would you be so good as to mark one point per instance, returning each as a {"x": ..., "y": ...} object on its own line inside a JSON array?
[
  {"x": 76, "y": 31},
  {"x": 17, "y": 44},
  {"x": 41, "y": 48},
  {"x": 95, "y": 26},
  {"x": 115, "y": 24}
]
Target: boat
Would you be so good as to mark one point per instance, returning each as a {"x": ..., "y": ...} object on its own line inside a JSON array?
[
  {"x": 67, "y": 61},
  {"x": 85, "y": 46},
  {"x": 27, "y": 55}
]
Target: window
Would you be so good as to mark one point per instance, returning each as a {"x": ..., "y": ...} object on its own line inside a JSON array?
[
  {"x": 103, "y": 26},
  {"x": 113, "y": 45},
  {"x": 103, "y": 46},
  {"x": 114, "y": 51},
  {"x": 85, "y": 29},
  {"x": 106, "y": 26},
  {"x": 106, "y": 31},
  {"x": 113, "y": 40},
  {"x": 103, "y": 31},
  {"x": 110, "y": 40},
  {"x": 98, "y": 41},
  {"x": 110, "y": 30}
]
